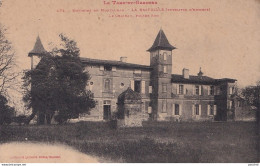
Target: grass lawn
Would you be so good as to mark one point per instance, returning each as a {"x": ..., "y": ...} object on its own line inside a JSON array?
[{"x": 155, "y": 142}]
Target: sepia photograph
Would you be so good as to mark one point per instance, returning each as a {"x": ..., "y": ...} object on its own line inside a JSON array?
[{"x": 129, "y": 81}]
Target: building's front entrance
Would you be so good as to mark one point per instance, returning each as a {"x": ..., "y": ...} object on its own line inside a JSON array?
[{"x": 107, "y": 110}]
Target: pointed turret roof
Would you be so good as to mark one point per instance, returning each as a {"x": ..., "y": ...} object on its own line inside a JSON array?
[
  {"x": 161, "y": 42},
  {"x": 38, "y": 48}
]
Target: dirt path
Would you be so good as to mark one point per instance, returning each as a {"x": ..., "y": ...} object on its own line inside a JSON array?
[{"x": 17, "y": 152}]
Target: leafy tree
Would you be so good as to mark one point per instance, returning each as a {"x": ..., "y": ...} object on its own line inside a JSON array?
[
  {"x": 58, "y": 84},
  {"x": 252, "y": 97},
  {"x": 6, "y": 112}
]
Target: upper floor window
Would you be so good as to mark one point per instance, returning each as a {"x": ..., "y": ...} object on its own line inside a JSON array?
[
  {"x": 231, "y": 90},
  {"x": 197, "y": 90},
  {"x": 181, "y": 87},
  {"x": 165, "y": 56},
  {"x": 164, "y": 69},
  {"x": 137, "y": 86},
  {"x": 211, "y": 90},
  {"x": 164, "y": 88},
  {"x": 107, "y": 84},
  {"x": 108, "y": 68}
]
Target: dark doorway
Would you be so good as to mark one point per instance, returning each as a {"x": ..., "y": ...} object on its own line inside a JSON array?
[
  {"x": 107, "y": 112},
  {"x": 137, "y": 86}
]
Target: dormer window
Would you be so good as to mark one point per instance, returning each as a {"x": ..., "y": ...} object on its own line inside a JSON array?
[
  {"x": 108, "y": 68},
  {"x": 197, "y": 89}
]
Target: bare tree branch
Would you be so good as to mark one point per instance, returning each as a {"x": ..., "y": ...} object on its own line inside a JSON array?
[{"x": 7, "y": 65}]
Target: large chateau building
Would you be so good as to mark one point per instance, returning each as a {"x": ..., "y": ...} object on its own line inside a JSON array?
[{"x": 163, "y": 95}]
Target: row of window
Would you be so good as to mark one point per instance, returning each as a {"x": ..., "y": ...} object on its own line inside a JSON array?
[
  {"x": 164, "y": 55},
  {"x": 197, "y": 90},
  {"x": 139, "y": 86},
  {"x": 196, "y": 109},
  {"x": 113, "y": 68},
  {"x": 136, "y": 85}
]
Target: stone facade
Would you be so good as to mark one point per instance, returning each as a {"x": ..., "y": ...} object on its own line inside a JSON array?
[{"x": 164, "y": 96}]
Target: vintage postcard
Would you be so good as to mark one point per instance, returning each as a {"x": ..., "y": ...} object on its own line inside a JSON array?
[{"x": 129, "y": 81}]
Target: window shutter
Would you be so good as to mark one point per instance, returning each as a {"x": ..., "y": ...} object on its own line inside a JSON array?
[
  {"x": 132, "y": 85},
  {"x": 143, "y": 87},
  {"x": 101, "y": 68},
  {"x": 164, "y": 56},
  {"x": 193, "y": 110},
  {"x": 113, "y": 106},
  {"x": 165, "y": 69},
  {"x": 180, "y": 109},
  {"x": 199, "y": 109},
  {"x": 208, "y": 112},
  {"x": 113, "y": 68},
  {"x": 184, "y": 89},
  {"x": 215, "y": 109},
  {"x": 173, "y": 109},
  {"x": 208, "y": 90},
  {"x": 200, "y": 89},
  {"x": 149, "y": 110},
  {"x": 177, "y": 89},
  {"x": 193, "y": 90},
  {"x": 101, "y": 105},
  {"x": 150, "y": 89}
]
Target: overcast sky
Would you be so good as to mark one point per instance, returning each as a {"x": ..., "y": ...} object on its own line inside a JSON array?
[{"x": 224, "y": 41}]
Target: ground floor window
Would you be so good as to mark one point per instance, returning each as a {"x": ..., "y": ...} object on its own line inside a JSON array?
[
  {"x": 211, "y": 110},
  {"x": 107, "y": 110},
  {"x": 177, "y": 109},
  {"x": 197, "y": 109},
  {"x": 164, "y": 106}
]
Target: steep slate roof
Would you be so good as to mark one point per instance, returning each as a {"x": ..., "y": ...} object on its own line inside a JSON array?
[
  {"x": 113, "y": 63},
  {"x": 198, "y": 79},
  {"x": 38, "y": 48},
  {"x": 129, "y": 95},
  {"x": 161, "y": 42}
]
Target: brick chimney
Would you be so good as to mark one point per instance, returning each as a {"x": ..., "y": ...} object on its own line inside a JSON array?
[
  {"x": 123, "y": 59},
  {"x": 185, "y": 73}
]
